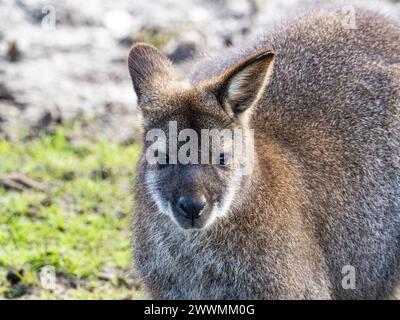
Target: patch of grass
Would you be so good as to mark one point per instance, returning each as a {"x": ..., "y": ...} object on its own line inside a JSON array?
[
  {"x": 79, "y": 225},
  {"x": 154, "y": 36}
]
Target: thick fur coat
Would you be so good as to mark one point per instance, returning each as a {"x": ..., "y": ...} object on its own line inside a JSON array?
[{"x": 325, "y": 189}]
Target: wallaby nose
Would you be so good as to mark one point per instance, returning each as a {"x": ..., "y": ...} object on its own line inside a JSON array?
[{"x": 192, "y": 206}]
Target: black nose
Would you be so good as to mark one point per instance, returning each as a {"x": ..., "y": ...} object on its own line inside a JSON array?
[{"x": 192, "y": 206}]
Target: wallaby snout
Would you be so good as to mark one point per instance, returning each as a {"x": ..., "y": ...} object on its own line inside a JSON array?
[{"x": 191, "y": 207}]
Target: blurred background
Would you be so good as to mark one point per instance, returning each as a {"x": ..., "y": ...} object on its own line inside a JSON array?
[{"x": 69, "y": 128}]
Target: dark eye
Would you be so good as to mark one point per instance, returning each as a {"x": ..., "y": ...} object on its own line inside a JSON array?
[{"x": 223, "y": 159}]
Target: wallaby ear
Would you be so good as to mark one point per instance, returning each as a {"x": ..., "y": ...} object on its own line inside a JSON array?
[
  {"x": 241, "y": 87},
  {"x": 148, "y": 68}
]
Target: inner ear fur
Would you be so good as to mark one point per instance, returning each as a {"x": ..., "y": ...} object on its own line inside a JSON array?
[{"x": 241, "y": 87}]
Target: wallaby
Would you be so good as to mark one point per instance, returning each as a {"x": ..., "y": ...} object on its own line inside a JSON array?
[{"x": 318, "y": 217}]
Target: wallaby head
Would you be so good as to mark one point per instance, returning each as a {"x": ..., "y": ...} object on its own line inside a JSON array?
[{"x": 193, "y": 177}]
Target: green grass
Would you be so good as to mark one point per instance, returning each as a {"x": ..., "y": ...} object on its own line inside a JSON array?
[{"x": 79, "y": 225}]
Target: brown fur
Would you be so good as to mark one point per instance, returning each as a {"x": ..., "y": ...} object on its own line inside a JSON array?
[{"x": 325, "y": 190}]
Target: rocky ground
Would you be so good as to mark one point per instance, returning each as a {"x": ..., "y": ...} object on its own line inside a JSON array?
[{"x": 62, "y": 60}]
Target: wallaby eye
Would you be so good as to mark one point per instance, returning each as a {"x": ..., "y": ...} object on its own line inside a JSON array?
[{"x": 223, "y": 159}]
